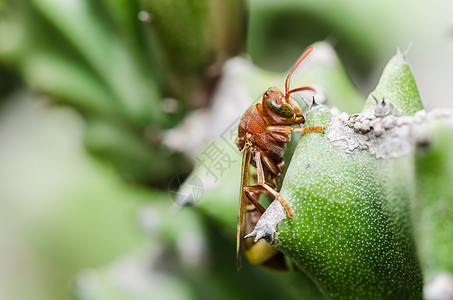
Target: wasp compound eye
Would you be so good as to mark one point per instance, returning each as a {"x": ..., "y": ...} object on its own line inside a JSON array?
[{"x": 283, "y": 110}]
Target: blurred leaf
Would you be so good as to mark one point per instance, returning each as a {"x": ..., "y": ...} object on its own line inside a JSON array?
[
  {"x": 79, "y": 33},
  {"x": 135, "y": 159},
  {"x": 195, "y": 38},
  {"x": 278, "y": 30},
  {"x": 79, "y": 23},
  {"x": 70, "y": 52},
  {"x": 124, "y": 16},
  {"x": 66, "y": 80},
  {"x": 64, "y": 210}
]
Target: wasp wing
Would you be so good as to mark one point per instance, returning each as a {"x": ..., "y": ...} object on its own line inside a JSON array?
[{"x": 242, "y": 222}]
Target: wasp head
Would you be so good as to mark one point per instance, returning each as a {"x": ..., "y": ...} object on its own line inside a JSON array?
[{"x": 281, "y": 110}]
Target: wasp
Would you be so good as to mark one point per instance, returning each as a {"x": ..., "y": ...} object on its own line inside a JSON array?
[{"x": 263, "y": 132}]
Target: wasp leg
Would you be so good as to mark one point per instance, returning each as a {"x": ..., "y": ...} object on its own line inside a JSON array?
[
  {"x": 261, "y": 182},
  {"x": 288, "y": 129},
  {"x": 272, "y": 177},
  {"x": 253, "y": 192},
  {"x": 279, "y": 136},
  {"x": 274, "y": 168}
]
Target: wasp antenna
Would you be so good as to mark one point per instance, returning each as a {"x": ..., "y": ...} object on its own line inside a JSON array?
[
  {"x": 300, "y": 89},
  {"x": 293, "y": 69}
]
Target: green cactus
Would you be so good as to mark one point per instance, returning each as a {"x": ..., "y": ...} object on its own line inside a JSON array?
[{"x": 361, "y": 193}]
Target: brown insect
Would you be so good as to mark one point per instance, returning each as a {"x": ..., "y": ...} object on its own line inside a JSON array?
[{"x": 263, "y": 132}]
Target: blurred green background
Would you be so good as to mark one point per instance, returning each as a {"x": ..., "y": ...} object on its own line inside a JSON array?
[{"x": 92, "y": 94}]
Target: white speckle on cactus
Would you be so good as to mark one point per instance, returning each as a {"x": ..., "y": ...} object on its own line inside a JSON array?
[{"x": 383, "y": 131}]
